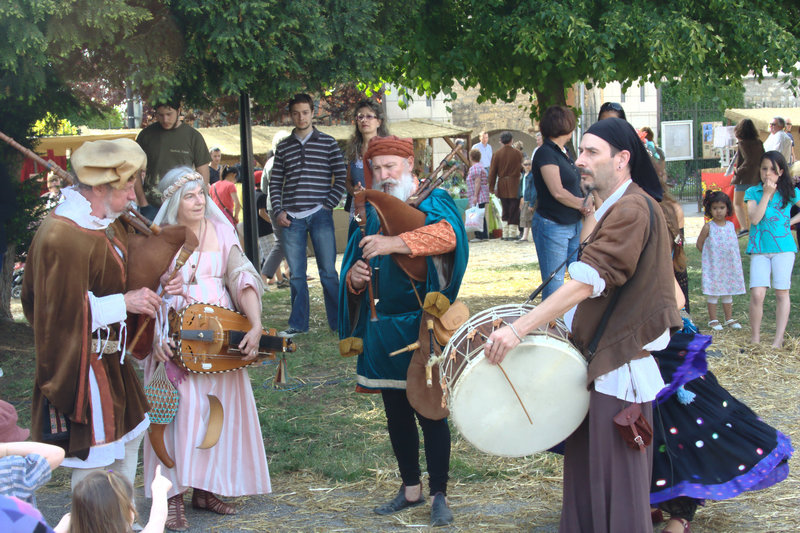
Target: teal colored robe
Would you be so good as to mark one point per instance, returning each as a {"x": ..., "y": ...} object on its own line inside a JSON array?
[{"x": 398, "y": 310}]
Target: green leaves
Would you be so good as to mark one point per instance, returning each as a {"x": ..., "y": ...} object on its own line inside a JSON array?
[{"x": 543, "y": 47}]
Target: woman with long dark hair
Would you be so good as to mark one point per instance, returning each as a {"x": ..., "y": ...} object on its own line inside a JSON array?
[
  {"x": 771, "y": 246},
  {"x": 746, "y": 172}
]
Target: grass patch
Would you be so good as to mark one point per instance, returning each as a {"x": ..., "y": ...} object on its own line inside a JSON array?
[{"x": 321, "y": 426}]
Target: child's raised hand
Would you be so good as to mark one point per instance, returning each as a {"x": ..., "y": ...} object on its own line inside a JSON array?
[
  {"x": 160, "y": 483},
  {"x": 63, "y": 524},
  {"x": 770, "y": 187}
]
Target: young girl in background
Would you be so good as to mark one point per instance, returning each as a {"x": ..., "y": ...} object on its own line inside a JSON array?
[
  {"x": 721, "y": 261},
  {"x": 771, "y": 245},
  {"x": 103, "y": 503}
]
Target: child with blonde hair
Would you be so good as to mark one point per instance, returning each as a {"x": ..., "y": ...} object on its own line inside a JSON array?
[{"x": 721, "y": 259}]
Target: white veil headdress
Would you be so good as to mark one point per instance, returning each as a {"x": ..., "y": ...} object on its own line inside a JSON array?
[{"x": 171, "y": 188}]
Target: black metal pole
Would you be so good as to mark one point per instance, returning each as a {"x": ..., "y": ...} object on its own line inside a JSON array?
[{"x": 249, "y": 213}]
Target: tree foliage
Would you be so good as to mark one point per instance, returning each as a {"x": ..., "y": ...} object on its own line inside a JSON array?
[
  {"x": 542, "y": 48},
  {"x": 273, "y": 49}
]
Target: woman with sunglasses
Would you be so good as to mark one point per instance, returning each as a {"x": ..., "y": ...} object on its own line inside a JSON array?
[
  {"x": 611, "y": 110},
  {"x": 370, "y": 121}
]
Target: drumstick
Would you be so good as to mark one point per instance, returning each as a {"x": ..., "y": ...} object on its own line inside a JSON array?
[{"x": 515, "y": 392}]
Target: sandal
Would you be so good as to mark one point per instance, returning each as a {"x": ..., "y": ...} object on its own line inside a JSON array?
[
  {"x": 733, "y": 324},
  {"x": 202, "y": 499},
  {"x": 715, "y": 325},
  {"x": 176, "y": 514}
]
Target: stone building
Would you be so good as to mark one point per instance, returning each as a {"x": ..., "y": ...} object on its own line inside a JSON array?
[
  {"x": 640, "y": 103},
  {"x": 770, "y": 92}
]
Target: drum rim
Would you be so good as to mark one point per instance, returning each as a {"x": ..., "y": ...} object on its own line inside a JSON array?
[{"x": 445, "y": 361}]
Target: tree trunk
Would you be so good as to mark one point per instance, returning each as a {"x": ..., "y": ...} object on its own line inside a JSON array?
[
  {"x": 5, "y": 282},
  {"x": 552, "y": 93}
]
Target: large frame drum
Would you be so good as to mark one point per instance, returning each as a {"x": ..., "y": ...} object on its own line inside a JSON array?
[{"x": 530, "y": 402}]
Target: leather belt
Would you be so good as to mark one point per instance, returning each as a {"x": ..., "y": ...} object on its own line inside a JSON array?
[{"x": 109, "y": 348}]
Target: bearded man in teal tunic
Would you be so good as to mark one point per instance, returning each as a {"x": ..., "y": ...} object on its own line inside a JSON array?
[{"x": 443, "y": 243}]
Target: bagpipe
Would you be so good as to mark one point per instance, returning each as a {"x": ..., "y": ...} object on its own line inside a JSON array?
[
  {"x": 131, "y": 216},
  {"x": 397, "y": 216},
  {"x": 149, "y": 254}
]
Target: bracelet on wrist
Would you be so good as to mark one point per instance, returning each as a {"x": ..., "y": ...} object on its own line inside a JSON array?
[{"x": 516, "y": 333}]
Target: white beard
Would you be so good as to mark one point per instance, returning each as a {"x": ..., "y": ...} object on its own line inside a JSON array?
[
  {"x": 402, "y": 188},
  {"x": 109, "y": 213}
]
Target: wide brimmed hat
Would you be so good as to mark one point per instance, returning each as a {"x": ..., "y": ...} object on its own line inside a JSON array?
[{"x": 113, "y": 162}]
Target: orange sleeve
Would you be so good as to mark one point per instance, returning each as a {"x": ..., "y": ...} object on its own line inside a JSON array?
[
  {"x": 435, "y": 239},
  {"x": 350, "y": 288}
]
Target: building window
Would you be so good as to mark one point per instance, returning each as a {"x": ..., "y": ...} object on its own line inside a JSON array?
[
  {"x": 428, "y": 101},
  {"x": 622, "y": 97},
  {"x": 641, "y": 93}
]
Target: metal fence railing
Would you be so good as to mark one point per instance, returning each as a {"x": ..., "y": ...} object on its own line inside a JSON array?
[{"x": 684, "y": 177}]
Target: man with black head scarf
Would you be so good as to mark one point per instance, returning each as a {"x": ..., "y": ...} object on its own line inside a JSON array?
[{"x": 623, "y": 279}]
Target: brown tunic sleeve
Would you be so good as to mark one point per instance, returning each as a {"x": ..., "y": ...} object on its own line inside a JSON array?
[
  {"x": 618, "y": 241},
  {"x": 55, "y": 301}
]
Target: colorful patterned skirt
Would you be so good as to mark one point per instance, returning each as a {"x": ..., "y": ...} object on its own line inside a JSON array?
[{"x": 707, "y": 444}]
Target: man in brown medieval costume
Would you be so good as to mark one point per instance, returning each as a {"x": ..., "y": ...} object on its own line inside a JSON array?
[
  {"x": 504, "y": 176},
  {"x": 627, "y": 255},
  {"x": 86, "y": 396}
]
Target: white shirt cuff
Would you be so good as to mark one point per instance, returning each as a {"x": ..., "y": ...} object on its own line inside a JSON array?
[
  {"x": 584, "y": 273},
  {"x": 107, "y": 310}
]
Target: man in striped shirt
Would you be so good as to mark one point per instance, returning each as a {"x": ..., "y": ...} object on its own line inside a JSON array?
[{"x": 307, "y": 182}]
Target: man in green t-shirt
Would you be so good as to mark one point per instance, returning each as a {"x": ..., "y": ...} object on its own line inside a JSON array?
[{"x": 168, "y": 143}]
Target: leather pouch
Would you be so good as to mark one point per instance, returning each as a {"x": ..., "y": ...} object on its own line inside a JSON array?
[{"x": 633, "y": 427}]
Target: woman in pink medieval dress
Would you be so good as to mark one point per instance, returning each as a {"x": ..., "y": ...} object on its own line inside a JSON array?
[{"x": 216, "y": 273}]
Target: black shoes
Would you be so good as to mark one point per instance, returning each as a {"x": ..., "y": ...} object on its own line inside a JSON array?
[
  {"x": 441, "y": 515},
  {"x": 398, "y": 503}
]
